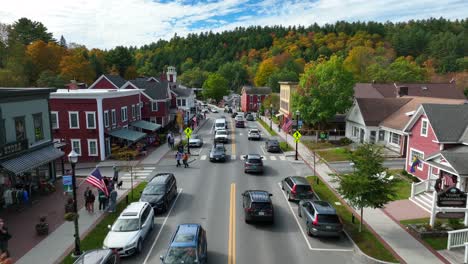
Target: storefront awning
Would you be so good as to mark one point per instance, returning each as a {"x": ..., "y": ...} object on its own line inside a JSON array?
[
  {"x": 278, "y": 115},
  {"x": 127, "y": 134},
  {"x": 32, "y": 160},
  {"x": 146, "y": 125}
]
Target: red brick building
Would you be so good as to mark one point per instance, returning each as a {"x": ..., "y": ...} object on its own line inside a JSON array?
[
  {"x": 89, "y": 120},
  {"x": 252, "y": 97}
]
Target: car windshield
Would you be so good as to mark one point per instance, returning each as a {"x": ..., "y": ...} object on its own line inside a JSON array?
[
  {"x": 181, "y": 255},
  {"x": 303, "y": 188},
  {"x": 273, "y": 143},
  {"x": 194, "y": 137},
  {"x": 154, "y": 189},
  {"x": 256, "y": 161},
  {"x": 126, "y": 225},
  {"x": 219, "y": 124},
  {"x": 326, "y": 218},
  {"x": 254, "y": 131},
  {"x": 219, "y": 149},
  {"x": 221, "y": 132}
]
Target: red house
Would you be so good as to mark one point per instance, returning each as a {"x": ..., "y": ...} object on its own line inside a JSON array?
[
  {"x": 438, "y": 144},
  {"x": 252, "y": 97},
  {"x": 89, "y": 120}
]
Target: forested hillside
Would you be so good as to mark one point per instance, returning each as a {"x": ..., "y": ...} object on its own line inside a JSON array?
[{"x": 426, "y": 50}]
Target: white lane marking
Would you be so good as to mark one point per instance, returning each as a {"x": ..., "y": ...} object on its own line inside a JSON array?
[
  {"x": 263, "y": 150},
  {"x": 282, "y": 157},
  {"x": 302, "y": 230},
  {"x": 203, "y": 157},
  {"x": 162, "y": 226},
  {"x": 272, "y": 157}
]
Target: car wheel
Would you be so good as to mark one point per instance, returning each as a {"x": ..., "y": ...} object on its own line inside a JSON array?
[
  {"x": 139, "y": 247},
  {"x": 166, "y": 205},
  {"x": 289, "y": 197},
  {"x": 247, "y": 221}
]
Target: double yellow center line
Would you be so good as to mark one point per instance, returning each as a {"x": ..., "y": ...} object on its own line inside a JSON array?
[{"x": 232, "y": 226}]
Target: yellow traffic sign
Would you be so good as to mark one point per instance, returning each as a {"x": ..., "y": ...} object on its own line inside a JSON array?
[
  {"x": 297, "y": 135},
  {"x": 188, "y": 131},
  {"x": 296, "y": 140}
]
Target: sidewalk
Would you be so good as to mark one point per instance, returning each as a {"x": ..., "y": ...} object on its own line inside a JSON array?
[{"x": 406, "y": 246}]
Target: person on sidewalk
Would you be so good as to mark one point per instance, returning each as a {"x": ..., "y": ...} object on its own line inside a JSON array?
[
  {"x": 87, "y": 198},
  {"x": 185, "y": 159},
  {"x": 112, "y": 201},
  {"x": 115, "y": 178},
  {"x": 102, "y": 200},
  {"x": 178, "y": 158},
  {"x": 4, "y": 237},
  {"x": 171, "y": 143},
  {"x": 92, "y": 198}
]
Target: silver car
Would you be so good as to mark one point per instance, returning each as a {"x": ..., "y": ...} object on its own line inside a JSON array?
[
  {"x": 128, "y": 232},
  {"x": 196, "y": 141}
]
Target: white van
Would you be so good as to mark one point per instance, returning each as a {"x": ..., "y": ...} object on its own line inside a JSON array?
[{"x": 220, "y": 124}]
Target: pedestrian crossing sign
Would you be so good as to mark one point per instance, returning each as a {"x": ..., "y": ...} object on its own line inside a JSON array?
[
  {"x": 188, "y": 131},
  {"x": 297, "y": 135}
]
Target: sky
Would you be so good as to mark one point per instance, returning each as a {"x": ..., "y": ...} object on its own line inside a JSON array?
[{"x": 108, "y": 23}]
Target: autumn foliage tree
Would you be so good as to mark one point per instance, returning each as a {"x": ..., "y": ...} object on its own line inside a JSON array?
[{"x": 77, "y": 67}]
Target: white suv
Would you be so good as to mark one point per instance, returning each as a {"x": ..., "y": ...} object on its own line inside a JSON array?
[
  {"x": 221, "y": 136},
  {"x": 127, "y": 233},
  {"x": 254, "y": 133}
]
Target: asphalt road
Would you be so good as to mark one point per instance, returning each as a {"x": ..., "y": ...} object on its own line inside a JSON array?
[
  {"x": 345, "y": 167},
  {"x": 210, "y": 194}
]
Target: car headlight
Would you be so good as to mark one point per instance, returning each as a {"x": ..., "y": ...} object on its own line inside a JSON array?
[{"x": 133, "y": 244}]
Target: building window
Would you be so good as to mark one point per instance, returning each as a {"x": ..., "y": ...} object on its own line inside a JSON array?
[
  {"x": 138, "y": 111},
  {"x": 394, "y": 138},
  {"x": 373, "y": 135},
  {"x": 20, "y": 127},
  {"x": 251, "y": 98},
  {"x": 73, "y": 119},
  {"x": 154, "y": 106},
  {"x": 181, "y": 102},
  {"x": 381, "y": 135},
  {"x": 123, "y": 114},
  {"x": 106, "y": 118},
  {"x": 416, "y": 154},
  {"x": 424, "y": 123},
  {"x": 38, "y": 129},
  {"x": 92, "y": 147},
  {"x": 76, "y": 145},
  {"x": 2, "y": 132},
  {"x": 114, "y": 117},
  {"x": 54, "y": 120},
  {"x": 91, "y": 120},
  {"x": 355, "y": 131},
  {"x": 133, "y": 112}
]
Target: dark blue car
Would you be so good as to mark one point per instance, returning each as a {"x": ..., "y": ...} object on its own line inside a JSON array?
[{"x": 188, "y": 245}]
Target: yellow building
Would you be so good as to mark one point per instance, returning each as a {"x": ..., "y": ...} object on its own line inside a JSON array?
[{"x": 286, "y": 91}]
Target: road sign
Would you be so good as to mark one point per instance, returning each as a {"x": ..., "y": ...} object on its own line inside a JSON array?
[
  {"x": 67, "y": 183},
  {"x": 296, "y": 140},
  {"x": 188, "y": 131},
  {"x": 297, "y": 135}
]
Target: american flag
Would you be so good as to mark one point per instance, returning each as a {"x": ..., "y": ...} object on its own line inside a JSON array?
[
  {"x": 287, "y": 124},
  {"x": 96, "y": 179}
]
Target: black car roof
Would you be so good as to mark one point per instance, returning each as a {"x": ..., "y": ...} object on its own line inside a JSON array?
[
  {"x": 94, "y": 256},
  {"x": 299, "y": 180},
  {"x": 259, "y": 196},
  {"x": 160, "y": 178},
  {"x": 254, "y": 156},
  {"x": 323, "y": 207}
]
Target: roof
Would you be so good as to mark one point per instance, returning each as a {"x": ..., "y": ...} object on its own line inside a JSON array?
[
  {"x": 182, "y": 92},
  {"x": 146, "y": 125},
  {"x": 398, "y": 119},
  {"x": 375, "y": 110},
  {"x": 457, "y": 157},
  {"x": 156, "y": 90},
  {"x": 116, "y": 79},
  {"x": 32, "y": 159},
  {"x": 256, "y": 90},
  {"x": 160, "y": 178},
  {"x": 13, "y": 92},
  {"x": 389, "y": 90},
  {"x": 133, "y": 209},
  {"x": 323, "y": 207},
  {"x": 95, "y": 256},
  {"x": 127, "y": 134},
  {"x": 259, "y": 195},
  {"x": 186, "y": 235},
  {"x": 299, "y": 180},
  {"x": 449, "y": 122}
]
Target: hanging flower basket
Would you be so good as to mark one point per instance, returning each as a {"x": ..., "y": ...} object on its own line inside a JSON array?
[
  {"x": 42, "y": 228},
  {"x": 71, "y": 217}
]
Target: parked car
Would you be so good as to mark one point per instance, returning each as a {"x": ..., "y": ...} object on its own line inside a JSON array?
[
  {"x": 218, "y": 153},
  {"x": 205, "y": 110},
  {"x": 297, "y": 188},
  {"x": 128, "y": 232},
  {"x": 195, "y": 141},
  {"x": 254, "y": 133},
  {"x": 320, "y": 218},
  {"x": 221, "y": 136},
  {"x": 250, "y": 117},
  {"x": 240, "y": 121},
  {"x": 188, "y": 245},
  {"x": 272, "y": 145},
  {"x": 160, "y": 191},
  {"x": 220, "y": 124},
  {"x": 253, "y": 163},
  {"x": 233, "y": 115},
  {"x": 98, "y": 256},
  {"x": 214, "y": 110},
  {"x": 257, "y": 206}
]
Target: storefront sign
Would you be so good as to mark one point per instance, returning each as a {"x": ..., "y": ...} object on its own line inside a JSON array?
[
  {"x": 67, "y": 183},
  {"x": 12, "y": 148},
  {"x": 451, "y": 197},
  {"x": 453, "y": 215}
]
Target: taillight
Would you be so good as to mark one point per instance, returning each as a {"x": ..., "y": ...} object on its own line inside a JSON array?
[
  {"x": 249, "y": 210},
  {"x": 293, "y": 191},
  {"x": 315, "y": 222}
]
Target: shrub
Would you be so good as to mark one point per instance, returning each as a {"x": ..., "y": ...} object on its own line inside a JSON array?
[
  {"x": 345, "y": 141},
  {"x": 455, "y": 223},
  {"x": 438, "y": 225}
]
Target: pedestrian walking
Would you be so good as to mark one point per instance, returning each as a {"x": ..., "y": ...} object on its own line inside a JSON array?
[
  {"x": 178, "y": 158},
  {"x": 171, "y": 143},
  {"x": 185, "y": 159},
  {"x": 180, "y": 148},
  {"x": 112, "y": 201},
  {"x": 115, "y": 179},
  {"x": 92, "y": 198},
  {"x": 102, "y": 200},
  {"x": 4, "y": 237},
  {"x": 87, "y": 198}
]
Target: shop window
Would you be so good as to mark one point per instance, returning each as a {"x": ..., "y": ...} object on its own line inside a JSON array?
[
  {"x": 90, "y": 120},
  {"x": 76, "y": 145},
  {"x": 123, "y": 114},
  {"x": 38, "y": 129},
  {"x": 20, "y": 128},
  {"x": 92, "y": 147},
  {"x": 2, "y": 132},
  {"x": 133, "y": 112},
  {"x": 54, "y": 120},
  {"x": 73, "y": 119}
]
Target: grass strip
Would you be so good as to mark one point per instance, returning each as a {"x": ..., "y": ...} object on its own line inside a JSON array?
[
  {"x": 267, "y": 127},
  {"x": 95, "y": 237},
  {"x": 285, "y": 146},
  {"x": 365, "y": 240},
  {"x": 337, "y": 154}
]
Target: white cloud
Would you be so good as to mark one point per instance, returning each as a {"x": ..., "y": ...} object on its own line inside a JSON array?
[{"x": 107, "y": 23}]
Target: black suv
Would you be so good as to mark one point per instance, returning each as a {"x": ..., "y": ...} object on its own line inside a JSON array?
[
  {"x": 160, "y": 191},
  {"x": 257, "y": 206},
  {"x": 297, "y": 188},
  {"x": 253, "y": 163},
  {"x": 320, "y": 218}
]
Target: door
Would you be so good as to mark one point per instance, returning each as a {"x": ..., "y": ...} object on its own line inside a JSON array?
[
  {"x": 361, "y": 135},
  {"x": 373, "y": 135}
]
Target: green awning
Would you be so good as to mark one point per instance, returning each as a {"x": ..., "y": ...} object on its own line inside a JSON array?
[
  {"x": 32, "y": 159},
  {"x": 146, "y": 125},
  {"x": 127, "y": 134}
]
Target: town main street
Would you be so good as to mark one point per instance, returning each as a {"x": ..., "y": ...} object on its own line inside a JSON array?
[{"x": 207, "y": 193}]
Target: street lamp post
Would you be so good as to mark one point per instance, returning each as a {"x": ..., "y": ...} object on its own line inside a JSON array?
[
  {"x": 73, "y": 159},
  {"x": 297, "y": 128},
  {"x": 271, "y": 115}
]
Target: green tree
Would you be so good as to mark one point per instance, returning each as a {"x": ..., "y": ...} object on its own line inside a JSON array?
[
  {"x": 368, "y": 185},
  {"x": 120, "y": 57},
  {"x": 26, "y": 31},
  {"x": 8, "y": 78},
  {"x": 193, "y": 78},
  {"x": 357, "y": 61},
  {"x": 265, "y": 70},
  {"x": 215, "y": 87},
  {"x": 235, "y": 74},
  {"x": 325, "y": 89},
  {"x": 283, "y": 75},
  {"x": 272, "y": 99},
  {"x": 401, "y": 70},
  {"x": 50, "y": 79}
]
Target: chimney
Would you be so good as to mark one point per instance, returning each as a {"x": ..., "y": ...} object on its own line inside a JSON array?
[{"x": 402, "y": 91}]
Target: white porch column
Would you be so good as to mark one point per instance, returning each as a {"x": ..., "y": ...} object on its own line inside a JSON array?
[
  {"x": 100, "y": 117},
  {"x": 465, "y": 222},
  {"x": 433, "y": 209}
]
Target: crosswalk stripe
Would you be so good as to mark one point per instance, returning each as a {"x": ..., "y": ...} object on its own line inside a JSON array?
[
  {"x": 203, "y": 157},
  {"x": 272, "y": 157},
  {"x": 282, "y": 157}
]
